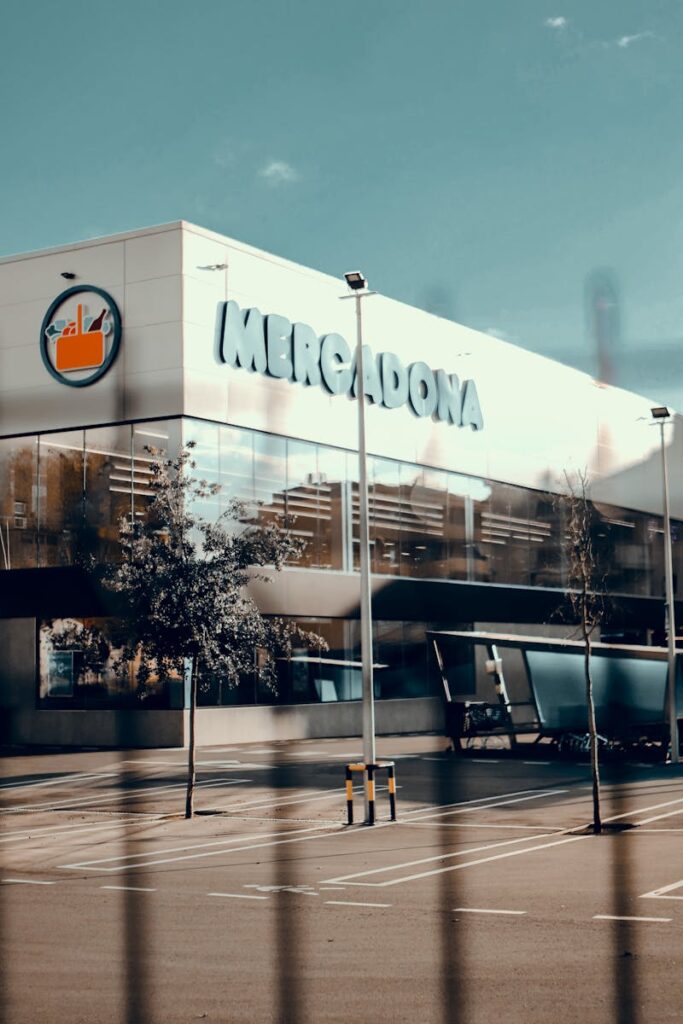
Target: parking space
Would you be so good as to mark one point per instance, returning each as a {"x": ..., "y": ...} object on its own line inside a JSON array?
[{"x": 486, "y": 860}]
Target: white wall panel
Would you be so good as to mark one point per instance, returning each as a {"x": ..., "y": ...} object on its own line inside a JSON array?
[
  {"x": 158, "y": 393},
  {"x": 20, "y": 323},
  {"x": 153, "y": 255},
  {"x": 38, "y": 277},
  {"x": 157, "y": 301},
  {"x": 151, "y": 348}
]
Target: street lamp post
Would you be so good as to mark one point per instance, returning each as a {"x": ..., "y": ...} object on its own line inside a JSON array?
[
  {"x": 359, "y": 290},
  {"x": 661, "y": 416}
]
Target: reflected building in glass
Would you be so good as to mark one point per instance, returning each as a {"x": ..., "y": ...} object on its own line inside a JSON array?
[{"x": 466, "y": 529}]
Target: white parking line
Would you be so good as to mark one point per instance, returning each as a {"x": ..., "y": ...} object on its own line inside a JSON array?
[
  {"x": 75, "y": 777},
  {"x": 24, "y": 881},
  {"x": 545, "y": 829},
  {"x": 127, "y": 888},
  {"x": 76, "y": 803},
  {"x": 227, "y": 845},
  {"x": 453, "y": 867},
  {"x": 264, "y": 802},
  {"x": 498, "y": 803},
  {"x": 478, "y": 800},
  {"x": 237, "y": 896},
  {"x": 352, "y": 903},
  {"x": 616, "y": 917},
  {"x": 662, "y": 894},
  {"x": 76, "y": 829},
  {"x": 644, "y": 810},
  {"x": 481, "y": 910}
]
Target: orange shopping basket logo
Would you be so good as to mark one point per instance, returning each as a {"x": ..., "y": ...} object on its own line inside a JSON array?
[
  {"x": 72, "y": 342},
  {"x": 76, "y": 349}
]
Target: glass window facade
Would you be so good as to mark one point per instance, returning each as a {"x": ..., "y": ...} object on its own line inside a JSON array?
[
  {"x": 63, "y": 491},
  {"x": 66, "y": 492}
]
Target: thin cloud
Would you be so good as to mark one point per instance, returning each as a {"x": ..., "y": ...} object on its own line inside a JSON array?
[
  {"x": 278, "y": 172},
  {"x": 623, "y": 42},
  {"x": 557, "y": 23}
]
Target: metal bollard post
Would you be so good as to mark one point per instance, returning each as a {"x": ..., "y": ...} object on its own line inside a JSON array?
[
  {"x": 391, "y": 775},
  {"x": 369, "y": 772},
  {"x": 370, "y": 769},
  {"x": 349, "y": 795}
]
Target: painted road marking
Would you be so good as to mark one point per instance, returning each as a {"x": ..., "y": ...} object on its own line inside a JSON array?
[
  {"x": 76, "y": 803},
  {"x": 662, "y": 894},
  {"x": 75, "y": 830},
  {"x": 616, "y": 917},
  {"x": 352, "y": 903},
  {"x": 479, "y": 800},
  {"x": 485, "y": 807},
  {"x": 24, "y": 881},
  {"x": 643, "y": 810},
  {"x": 545, "y": 829},
  {"x": 76, "y": 777},
  {"x": 430, "y": 860},
  {"x": 454, "y": 867},
  {"x": 264, "y": 802},
  {"x": 215, "y": 764},
  {"x": 660, "y": 817},
  {"x": 227, "y": 845},
  {"x": 483, "y": 760},
  {"x": 237, "y": 896},
  {"x": 481, "y": 910},
  {"x": 536, "y": 762},
  {"x": 127, "y": 888}
]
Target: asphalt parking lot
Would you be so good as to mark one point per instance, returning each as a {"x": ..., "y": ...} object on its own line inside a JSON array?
[{"x": 487, "y": 899}]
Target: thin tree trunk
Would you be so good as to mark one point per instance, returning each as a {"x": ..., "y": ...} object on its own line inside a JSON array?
[
  {"x": 189, "y": 800},
  {"x": 593, "y": 734}
]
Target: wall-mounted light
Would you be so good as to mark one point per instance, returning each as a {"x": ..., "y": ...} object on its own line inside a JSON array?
[
  {"x": 214, "y": 266},
  {"x": 68, "y": 275}
]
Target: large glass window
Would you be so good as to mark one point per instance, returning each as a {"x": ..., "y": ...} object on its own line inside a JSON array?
[
  {"x": 387, "y": 514},
  {"x": 68, "y": 489},
  {"x": 75, "y": 673},
  {"x": 19, "y": 502},
  {"x": 62, "y": 510},
  {"x": 108, "y": 486},
  {"x": 424, "y": 535}
]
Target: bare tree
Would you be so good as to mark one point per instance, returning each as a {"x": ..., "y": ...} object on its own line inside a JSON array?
[{"x": 586, "y": 595}]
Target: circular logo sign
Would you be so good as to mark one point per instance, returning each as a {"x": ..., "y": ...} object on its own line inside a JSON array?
[{"x": 80, "y": 335}]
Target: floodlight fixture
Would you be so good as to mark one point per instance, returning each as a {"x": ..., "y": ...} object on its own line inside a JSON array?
[
  {"x": 355, "y": 280},
  {"x": 214, "y": 266},
  {"x": 660, "y": 412}
]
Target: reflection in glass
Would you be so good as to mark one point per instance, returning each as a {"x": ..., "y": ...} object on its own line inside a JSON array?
[
  {"x": 19, "y": 502},
  {"x": 68, "y": 679},
  {"x": 60, "y": 481},
  {"x": 108, "y": 486}
]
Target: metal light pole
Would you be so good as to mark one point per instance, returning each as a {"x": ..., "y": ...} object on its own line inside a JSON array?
[
  {"x": 661, "y": 415},
  {"x": 359, "y": 287}
]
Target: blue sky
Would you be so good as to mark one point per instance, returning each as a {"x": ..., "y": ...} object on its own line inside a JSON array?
[{"x": 478, "y": 158}]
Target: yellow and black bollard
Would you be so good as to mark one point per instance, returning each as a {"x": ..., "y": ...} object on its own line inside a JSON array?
[
  {"x": 369, "y": 771},
  {"x": 349, "y": 794},
  {"x": 391, "y": 775},
  {"x": 371, "y": 793}
]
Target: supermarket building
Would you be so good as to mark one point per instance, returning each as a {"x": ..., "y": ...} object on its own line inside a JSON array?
[{"x": 153, "y": 338}]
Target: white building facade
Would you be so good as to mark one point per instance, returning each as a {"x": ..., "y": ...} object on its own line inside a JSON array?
[{"x": 149, "y": 339}]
